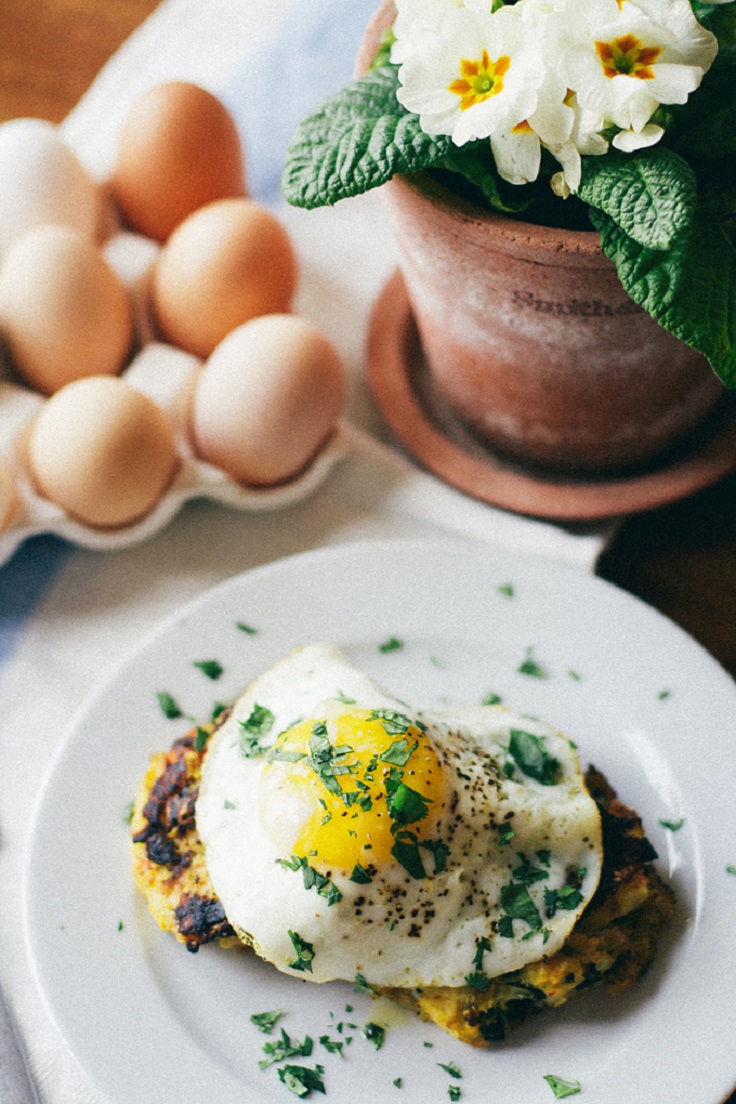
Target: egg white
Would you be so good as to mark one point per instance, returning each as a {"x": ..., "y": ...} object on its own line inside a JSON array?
[{"x": 480, "y": 912}]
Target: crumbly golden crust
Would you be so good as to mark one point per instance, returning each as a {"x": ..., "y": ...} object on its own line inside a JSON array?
[{"x": 614, "y": 941}]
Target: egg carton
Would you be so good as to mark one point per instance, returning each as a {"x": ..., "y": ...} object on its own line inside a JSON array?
[{"x": 165, "y": 374}]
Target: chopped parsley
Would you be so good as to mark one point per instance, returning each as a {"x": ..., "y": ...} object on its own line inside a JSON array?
[
  {"x": 375, "y": 1034},
  {"x": 528, "y": 752},
  {"x": 527, "y": 873},
  {"x": 304, "y": 953},
  {"x": 562, "y": 1087},
  {"x": 210, "y": 667},
  {"x": 326, "y": 761},
  {"x": 453, "y": 1091},
  {"x": 301, "y": 1080},
  {"x": 398, "y": 1082},
  {"x": 394, "y": 722},
  {"x": 505, "y": 834},
  {"x": 168, "y": 705},
  {"x": 730, "y": 868},
  {"x": 673, "y": 825},
  {"x": 312, "y": 878},
  {"x": 283, "y": 1048},
  {"x": 663, "y": 695},
  {"x": 450, "y": 1068},
  {"x": 259, "y": 723},
  {"x": 529, "y": 666},
  {"x": 332, "y": 1046},
  {"x": 360, "y": 875},
  {"x": 362, "y": 986},
  {"x": 393, "y": 644},
  {"x": 245, "y": 628},
  {"x": 477, "y": 979},
  {"x": 128, "y": 812},
  {"x": 200, "y": 740},
  {"x": 217, "y": 710},
  {"x": 266, "y": 1021},
  {"x": 518, "y": 905},
  {"x": 399, "y": 753},
  {"x": 439, "y": 851},
  {"x": 492, "y": 699},
  {"x": 507, "y": 589},
  {"x": 566, "y": 897}
]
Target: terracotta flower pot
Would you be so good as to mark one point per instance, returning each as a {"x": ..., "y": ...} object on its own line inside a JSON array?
[{"x": 530, "y": 337}]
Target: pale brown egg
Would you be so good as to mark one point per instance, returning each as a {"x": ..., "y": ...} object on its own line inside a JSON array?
[
  {"x": 8, "y": 495},
  {"x": 178, "y": 149},
  {"x": 267, "y": 400},
  {"x": 64, "y": 314},
  {"x": 102, "y": 451},
  {"x": 227, "y": 263}
]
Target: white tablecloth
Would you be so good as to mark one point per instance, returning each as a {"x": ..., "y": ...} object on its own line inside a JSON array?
[{"x": 68, "y": 615}]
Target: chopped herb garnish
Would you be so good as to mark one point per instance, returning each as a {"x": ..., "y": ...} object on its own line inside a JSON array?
[
  {"x": 507, "y": 589},
  {"x": 544, "y": 856},
  {"x": 529, "y": 753},
  {"x": 375, "y": 1034},
  {"x": 450, "y": 1068},
  {"x": 301, "y": 1080},
  {"x": 266, "y": 1021},
  {"x": 530, "y": 667},
  {"x": 478, "y": 980},
  {"x": 567, "y": 897},
  {"x": 406, "y": 852},
  {"x": 575, "y": 676},
  {"x": 169, "y": 707},
  {"x": 217, "y": 710},
  {"x": 518, "y": 905},
  {"x": 405, "y": 805},
  {"x": 120, "y": 925},
  {"x": 333, "y": 1046},
  {"x": 527, "y": 872},
  {"x": 312, "y": 878},
  {"x": 229, "y": 804},
  {"x": 397, "y": 1082},
  {"x": 492, "y": 699},
  {"x": 128, "y": 812},
  {"x": 210, "y": 667},
  {"x": 730, "y": 868},
  {"x": 439, "y": 850},
  {"x": 393, "y": 644},
  {"x": 673, "y": 825},
  {"x": 505, "y": 834},
  {"x": 561, "y": 1087},
  {"x": 283, "y": 1048},
  {"x": 399, "y": 753},
  {"x": 394, "y": 722},
  {"x": 362, "y": 986},
  {"x": 200, "y": 740},
  {"x": 259, "y": 723},
  {"x": 304, "y": 953},
  {"x": 453, "y": 1091},
  {"x": 664, "y": 694},
  {"x": 246, "y": 628},
  {"x": 360, "y": 875}
]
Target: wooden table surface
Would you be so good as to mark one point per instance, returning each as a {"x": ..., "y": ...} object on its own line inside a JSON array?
[{"x": 680, "y": 559}]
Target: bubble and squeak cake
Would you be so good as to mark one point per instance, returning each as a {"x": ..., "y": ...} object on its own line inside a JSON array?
[{"x": 455, "y": 860}]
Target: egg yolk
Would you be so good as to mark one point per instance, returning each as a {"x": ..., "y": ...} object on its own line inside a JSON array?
[{"x": 368, "y": 783}]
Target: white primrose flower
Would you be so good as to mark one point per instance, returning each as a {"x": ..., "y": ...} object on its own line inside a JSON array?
[
  {"x": 623, "y": 58},
  {"x": 478, "y": 75}
]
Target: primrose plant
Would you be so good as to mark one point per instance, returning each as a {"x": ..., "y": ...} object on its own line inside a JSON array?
[{"x": 612, "y": 115}]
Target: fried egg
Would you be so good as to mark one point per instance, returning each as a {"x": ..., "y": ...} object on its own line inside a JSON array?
[{"x": 348, "y": 834}]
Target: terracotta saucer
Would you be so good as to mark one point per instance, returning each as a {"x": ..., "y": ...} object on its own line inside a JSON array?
[{"x": 401, "y": 384}]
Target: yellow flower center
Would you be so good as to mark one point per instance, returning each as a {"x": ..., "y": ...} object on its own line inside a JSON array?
[
  {"x": 479, "y": 80},
  {"x": 626, "y": 56}
]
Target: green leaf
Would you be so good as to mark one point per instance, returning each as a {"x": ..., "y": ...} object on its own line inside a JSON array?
[
  {"x": 476, "y": 164},
  {"x": 266, "y": 1021},
  {"x": 690, "y": 290},
  {"x": 518, "y": 905},
  {"x": 529, "y": 753},
  {"x": 356, "y": 140},
  {"x": 304, "y": 953},
  {"x": 650, "y": 194},
  {"x": 561, "y": 1086},
  {"x": 301, "y": 1080}
]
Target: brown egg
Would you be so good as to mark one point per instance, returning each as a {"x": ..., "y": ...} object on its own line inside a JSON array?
[
  {"x": 178, "y": 149},
  {"x": 64, "y": 313},
  {"x": 267, "y": 400},
  {"x": 8, "y": 496},
  {"x": 227, "y": 263},
  {"x": 102, "y": 451}
]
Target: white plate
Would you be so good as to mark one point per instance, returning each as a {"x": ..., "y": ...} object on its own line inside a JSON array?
[{"x": 151, "y": 1023}]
